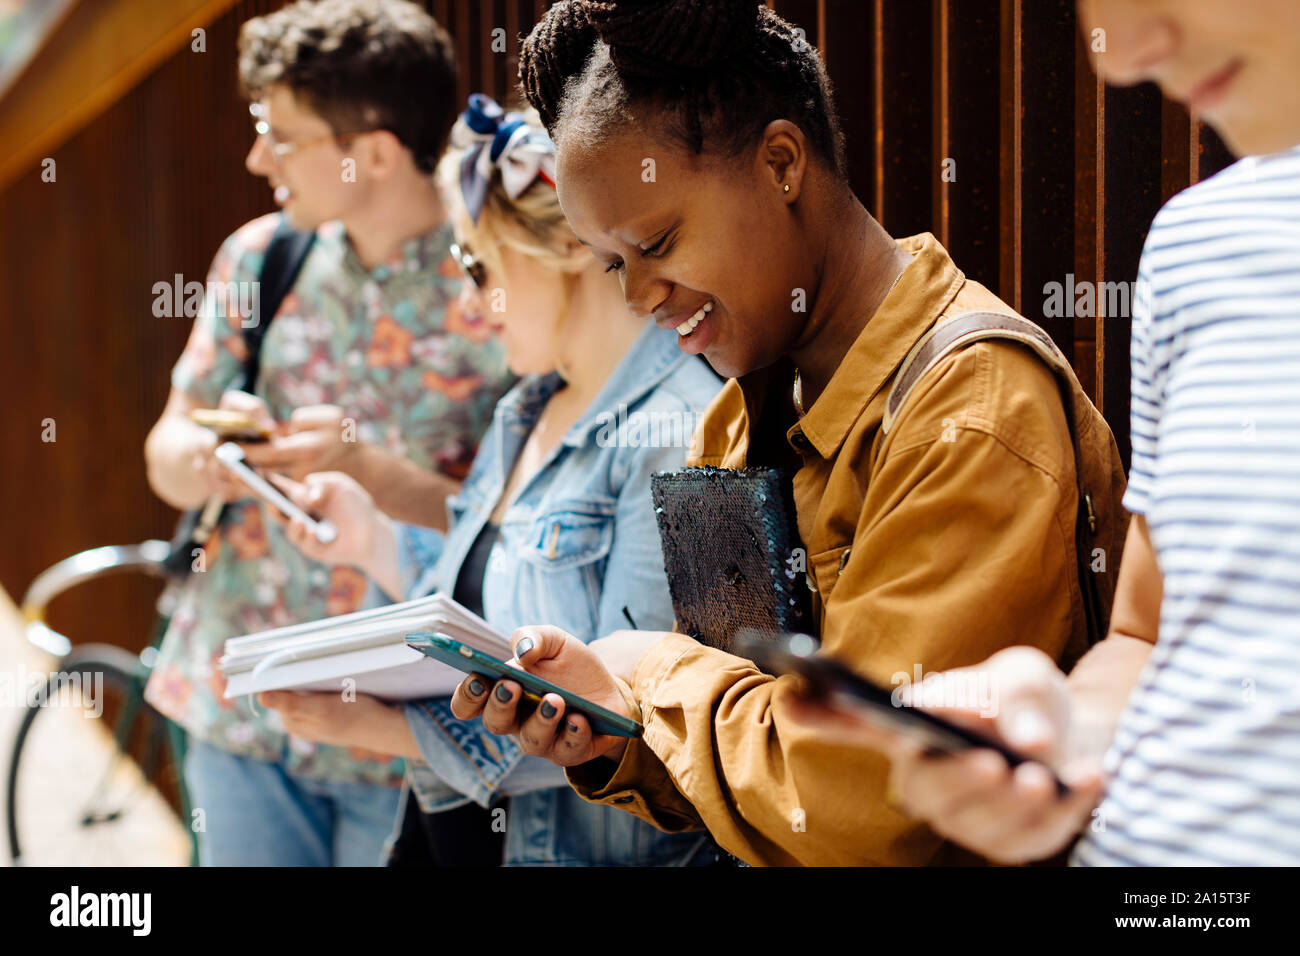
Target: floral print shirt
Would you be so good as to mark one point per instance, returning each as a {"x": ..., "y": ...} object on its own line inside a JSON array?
[{"x": 393, "y": 349}]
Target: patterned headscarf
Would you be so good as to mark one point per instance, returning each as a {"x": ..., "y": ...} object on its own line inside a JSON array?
[{"x": 492, "y": 138}]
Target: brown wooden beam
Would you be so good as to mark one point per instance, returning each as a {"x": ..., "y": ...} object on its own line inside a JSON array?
[{"x": 101, "y": 50}]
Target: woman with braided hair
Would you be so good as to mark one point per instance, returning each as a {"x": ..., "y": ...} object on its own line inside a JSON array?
[{"x": 699, "y": 156}]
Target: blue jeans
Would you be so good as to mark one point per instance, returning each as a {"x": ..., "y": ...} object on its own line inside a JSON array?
[{"x": 255, "y": 813}]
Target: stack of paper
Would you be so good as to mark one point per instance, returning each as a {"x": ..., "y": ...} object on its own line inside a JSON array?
[{"x": 365, "y": 647}]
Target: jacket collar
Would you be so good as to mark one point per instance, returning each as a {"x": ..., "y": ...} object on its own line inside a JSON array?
[{"x": 924, "y": 290}]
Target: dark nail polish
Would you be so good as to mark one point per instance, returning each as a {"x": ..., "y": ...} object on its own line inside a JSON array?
[
  {"x": 573, "y": 728},
  {"x": 524, "y": 646},
  {"x": 476, "y": 689},
  {"x": 503, "y": 693},
  {"x": 548, "y": 709}
]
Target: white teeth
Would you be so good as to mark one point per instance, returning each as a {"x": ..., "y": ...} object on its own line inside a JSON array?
[{"x": 687, "y": 327}]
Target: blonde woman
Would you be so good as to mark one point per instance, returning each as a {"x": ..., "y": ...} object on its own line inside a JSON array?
[{"x": 554, "y": 522}]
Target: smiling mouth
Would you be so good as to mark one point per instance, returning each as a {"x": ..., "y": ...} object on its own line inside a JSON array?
[{"x": 687, "y": 327}]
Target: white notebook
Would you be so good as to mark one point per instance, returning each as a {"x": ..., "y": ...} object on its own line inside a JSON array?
[{"x": 368, "y": 647}]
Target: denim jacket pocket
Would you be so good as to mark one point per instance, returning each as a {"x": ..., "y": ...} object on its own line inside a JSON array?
[
  {"x": 562, "y": 554},
  {"x": 570, "y": 534}
]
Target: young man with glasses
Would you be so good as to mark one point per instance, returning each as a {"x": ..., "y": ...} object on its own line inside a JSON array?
[{"x": 370, "y": 367}]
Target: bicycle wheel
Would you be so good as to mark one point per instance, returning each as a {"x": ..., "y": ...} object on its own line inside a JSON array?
[{"x": 92, "y": 780}]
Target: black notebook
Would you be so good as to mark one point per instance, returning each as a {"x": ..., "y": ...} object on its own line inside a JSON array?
[{"x": 732, "y": 552}]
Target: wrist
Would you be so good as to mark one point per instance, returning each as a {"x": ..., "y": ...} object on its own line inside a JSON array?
[
  {"x": 381, "y": 564},
  {"x": 388, "y": 731},
  {"x": 357, "y": 460}
]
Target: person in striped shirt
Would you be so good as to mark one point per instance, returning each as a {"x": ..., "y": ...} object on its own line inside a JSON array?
[{"x": 1179, "y": 750}]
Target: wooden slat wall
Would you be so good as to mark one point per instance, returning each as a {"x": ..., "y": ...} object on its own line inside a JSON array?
[{"x": 1055, "y": 176}]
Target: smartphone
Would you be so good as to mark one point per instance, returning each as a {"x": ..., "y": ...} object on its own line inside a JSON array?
[
  {"x": 465, "y": 658},
  {"x": 825, "y": 679},
  {"x": 230, "y": 425},
  {"x": 232, "y": 456}
]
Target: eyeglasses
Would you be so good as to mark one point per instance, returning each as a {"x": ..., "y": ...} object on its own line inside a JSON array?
[
  {"x": 470, "y": 264},
  {"x": 282, "y": 148}
]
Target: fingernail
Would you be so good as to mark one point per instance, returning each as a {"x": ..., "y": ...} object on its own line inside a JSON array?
[
  {"x": 476, "y": 689},
  {"x": 503, "y": 693},
  {"x": 547, "y": 709},
  {"x": 573, "y": 728},
  {"x": 524, "y": 646}
]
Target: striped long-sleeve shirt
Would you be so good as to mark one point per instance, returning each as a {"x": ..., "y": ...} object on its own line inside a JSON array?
[{"x": 1206, "y": 762}]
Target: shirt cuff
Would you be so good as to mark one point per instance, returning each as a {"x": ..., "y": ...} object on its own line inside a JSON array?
[
  {"x": 461, "y": 754},
  {"x": 640, "y": 783}
]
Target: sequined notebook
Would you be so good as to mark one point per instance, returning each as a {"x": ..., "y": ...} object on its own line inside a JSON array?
[{"x": 732, "y": 552}]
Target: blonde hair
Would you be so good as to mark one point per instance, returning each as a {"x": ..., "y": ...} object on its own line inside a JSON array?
[{"x": 533, "y": 225}]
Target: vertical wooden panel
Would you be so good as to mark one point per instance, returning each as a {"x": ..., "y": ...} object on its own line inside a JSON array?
[
  {"x": 966, "y": 122},
  {"x": 903, "y": 156},
  {"x": 1131, "y": 196},
  {"x": 1212, "y": 154},
  {"x": 1011, "y": 148},
  {"x": 847, "y": 47},
  {"x": 1089, "y": 158},
  {"x": 1047, "y": 46},
  {"x": 1179, "y": 149}
]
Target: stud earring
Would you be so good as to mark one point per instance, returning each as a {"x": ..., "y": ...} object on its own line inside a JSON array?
[{"x": 786, "y": 188}]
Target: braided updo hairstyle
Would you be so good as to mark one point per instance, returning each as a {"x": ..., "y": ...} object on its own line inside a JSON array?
[{"x": 714, "y": 73}]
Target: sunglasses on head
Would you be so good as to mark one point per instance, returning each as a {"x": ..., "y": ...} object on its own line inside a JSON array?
[{"x": 470, "y": 264}]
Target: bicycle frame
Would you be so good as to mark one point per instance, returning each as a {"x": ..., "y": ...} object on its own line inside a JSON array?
[{"x": 146, "y": 557}]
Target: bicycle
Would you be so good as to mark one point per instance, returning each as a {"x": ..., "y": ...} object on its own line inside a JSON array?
[{"x": 140, "y": 750}]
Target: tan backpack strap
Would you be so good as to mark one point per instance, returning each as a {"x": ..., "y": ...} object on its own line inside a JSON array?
[{"x": 961, "y": 330}]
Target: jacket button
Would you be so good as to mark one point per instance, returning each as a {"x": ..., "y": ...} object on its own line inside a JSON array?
[
  {"x": 800, "y": 442},
  {"x": 624, "y": 799}
]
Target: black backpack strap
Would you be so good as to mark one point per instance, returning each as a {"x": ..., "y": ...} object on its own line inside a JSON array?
[
  {"x": 280, "y": 267},
  {"x": 949, "y": 335},
  {"x": 281, "y": 264}
]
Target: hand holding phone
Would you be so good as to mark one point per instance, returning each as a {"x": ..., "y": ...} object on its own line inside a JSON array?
[
  {"x": 230, "y": 425},
  {"x": 471, "y": 661},
  {"x": 1008, "y": 814},
  {"x": 551, "y": 732},
  {"x": 827, "y": 681},
  {"x": 232, "y": 457}
]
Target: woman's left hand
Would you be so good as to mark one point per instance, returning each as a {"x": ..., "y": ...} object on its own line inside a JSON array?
[{"x": 329, "y": 718}]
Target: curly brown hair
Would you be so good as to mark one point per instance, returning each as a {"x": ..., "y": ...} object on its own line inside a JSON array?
[{"x": 359, "y": 64}]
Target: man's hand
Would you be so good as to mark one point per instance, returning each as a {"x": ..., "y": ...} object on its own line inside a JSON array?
[
  {"x": 316, "y": 438},
  {"x": 218, "y": 480},
  {"x": 327, "y": 718},
  {"x": 975, "y": 798},
  {"x": 563, "y": 739},
  {"x": 215, "y": 478}
]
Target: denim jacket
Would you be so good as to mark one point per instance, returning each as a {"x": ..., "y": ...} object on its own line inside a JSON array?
[{"x": 578, "y": 545}]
